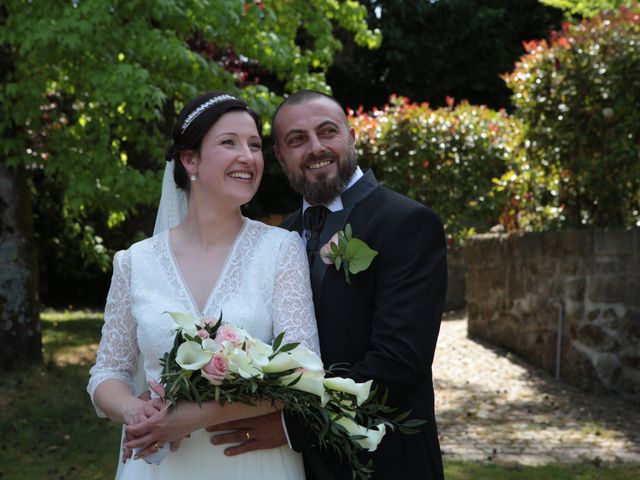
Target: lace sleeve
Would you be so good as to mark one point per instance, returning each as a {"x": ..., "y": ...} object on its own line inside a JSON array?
[
  {"x": 118, "y": 351},
  {"x": 292, "y": 297}
]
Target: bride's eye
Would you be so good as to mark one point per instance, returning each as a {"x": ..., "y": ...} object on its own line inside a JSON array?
[{"x": 228, "y": 141}]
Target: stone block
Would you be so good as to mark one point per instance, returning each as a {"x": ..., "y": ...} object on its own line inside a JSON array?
[
  {"x": 609, "y": 319},
  {"x": 613, "y": 241},
  {"x": 527, "y": 247},
  {"x": 609, "y": 368},
  {"x": 631, "y": 360},
  {"x": 593, "y": 315},
  {"x": 574, "y": 289},
  {"x": 577, "y": 242},
  {"x": 456, "y": 280},
  {"x": 485, "y": 250},
  {"x": 570, "y": 265},
  {"x": 629, "y": 327},
  {"x": 598, "y": 339},
  {"x": 622, "y": 289}
]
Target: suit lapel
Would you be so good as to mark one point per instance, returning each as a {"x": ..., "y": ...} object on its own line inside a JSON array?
[{"x": 336, "y": 221}]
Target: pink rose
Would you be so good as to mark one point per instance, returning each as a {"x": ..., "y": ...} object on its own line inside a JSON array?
[
  {"x": 326, "y": 254},
  {"x": 216, "y": 370},
  {"x": 203, "y": 334},
  {"x": 227, "y": 332}
]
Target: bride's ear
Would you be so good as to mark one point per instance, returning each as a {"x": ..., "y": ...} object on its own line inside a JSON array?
[{"x": 189, "y": 160}]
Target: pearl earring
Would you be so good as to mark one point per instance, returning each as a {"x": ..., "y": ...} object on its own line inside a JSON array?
[{"x": 193, "y": 177}]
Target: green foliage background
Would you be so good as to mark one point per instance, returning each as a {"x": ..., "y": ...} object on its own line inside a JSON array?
[
  {"x": 91, "y": 91},
  {"x": 444, "y": 157},
  {"x": 578, "y": 96}
]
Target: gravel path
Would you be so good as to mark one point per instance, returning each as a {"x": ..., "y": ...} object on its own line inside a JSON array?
[{"x": 493, "y": 407}]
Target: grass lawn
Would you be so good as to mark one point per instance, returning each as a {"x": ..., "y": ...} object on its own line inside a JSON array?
[{"x": 49, "y": 429}]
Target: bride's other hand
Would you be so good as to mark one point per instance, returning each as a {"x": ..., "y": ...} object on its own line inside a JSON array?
[{"x": 164, "y": 426}]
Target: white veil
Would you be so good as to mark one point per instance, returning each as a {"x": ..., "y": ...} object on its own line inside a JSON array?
[{"x": 171, "y": 210}]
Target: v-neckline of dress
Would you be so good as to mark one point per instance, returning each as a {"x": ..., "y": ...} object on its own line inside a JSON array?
[{"x": 218, "y": 281}]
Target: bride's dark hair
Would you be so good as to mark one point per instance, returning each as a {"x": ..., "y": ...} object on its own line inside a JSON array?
[{"x": 193, "y": 123}]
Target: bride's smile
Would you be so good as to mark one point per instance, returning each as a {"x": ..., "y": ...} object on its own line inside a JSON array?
[{"x": 229, "y": 164}]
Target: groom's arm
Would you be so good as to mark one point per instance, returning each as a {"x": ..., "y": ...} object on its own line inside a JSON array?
[{"x": 411, "y": 281}]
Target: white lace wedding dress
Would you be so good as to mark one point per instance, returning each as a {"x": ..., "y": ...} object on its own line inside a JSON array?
[{"x": 263, "y": 287}]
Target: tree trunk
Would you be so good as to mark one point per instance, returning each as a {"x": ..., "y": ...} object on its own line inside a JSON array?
[{"x": 20, "y": 336}]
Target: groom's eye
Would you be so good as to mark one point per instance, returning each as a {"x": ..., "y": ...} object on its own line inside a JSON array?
[{"x": 292, "y": 141}]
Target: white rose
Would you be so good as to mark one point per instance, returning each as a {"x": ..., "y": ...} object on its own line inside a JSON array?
[
  {"x": 191, "y": 356},
  {"x": 240, "y": 362},
  {"x": 347, "y": 385},
  {"x": 259, "y": 352}
]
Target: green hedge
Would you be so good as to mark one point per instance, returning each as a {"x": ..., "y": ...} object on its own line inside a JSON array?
[
  {"x": 445, "y": 158},
  {"x": 579, "y": 96}
]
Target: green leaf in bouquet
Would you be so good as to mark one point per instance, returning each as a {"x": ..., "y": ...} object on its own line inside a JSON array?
[
  {"x": 276, "y": 344},
  {"x": 402, "y": 416},
  {"x": 359, "y": 255},
  {"x": 289, "y": 346},
  {"x": 348, "y": 232}
]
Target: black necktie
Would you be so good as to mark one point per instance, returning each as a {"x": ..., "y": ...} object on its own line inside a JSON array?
[{"x": 313, "y": 220}]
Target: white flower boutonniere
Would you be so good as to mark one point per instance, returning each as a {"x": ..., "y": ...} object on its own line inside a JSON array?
[{"x": 346, "y": 252}]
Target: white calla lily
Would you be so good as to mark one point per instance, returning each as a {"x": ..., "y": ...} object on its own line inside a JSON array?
[
  {"x": 347, "y": 385},
  {"x": 310, "y": 381},
  {"x": 185, "y": 322},
  {"x": 373, "y": 436},
  {"x": 191, "y": 356},
  {"x": 299, "y": 357}
]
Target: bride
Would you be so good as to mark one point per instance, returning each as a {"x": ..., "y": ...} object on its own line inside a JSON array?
[{"x": 211, "y": 260}]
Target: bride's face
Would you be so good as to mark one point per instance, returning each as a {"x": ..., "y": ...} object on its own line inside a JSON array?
[{"x": 230, "y": 162}]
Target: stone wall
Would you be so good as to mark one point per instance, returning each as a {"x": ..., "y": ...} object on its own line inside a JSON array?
[
  {"x": 456, "y": 277},
  {"x": 519, "y": 288}
]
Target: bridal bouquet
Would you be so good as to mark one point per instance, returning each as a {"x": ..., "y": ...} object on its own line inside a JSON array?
[{"x": 212, "y": 360}]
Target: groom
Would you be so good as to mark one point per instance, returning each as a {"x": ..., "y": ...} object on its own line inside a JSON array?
[{"x": 386, "y": 322}]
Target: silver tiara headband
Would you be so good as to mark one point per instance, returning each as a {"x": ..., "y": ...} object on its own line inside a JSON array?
[{"x": 193, "y": 115}]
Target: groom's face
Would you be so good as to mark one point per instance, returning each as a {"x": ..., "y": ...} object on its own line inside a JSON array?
[{"x": 316, "y": 149}]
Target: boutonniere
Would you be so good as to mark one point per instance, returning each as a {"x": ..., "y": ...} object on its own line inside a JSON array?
[{"x": 346, "y": 252}]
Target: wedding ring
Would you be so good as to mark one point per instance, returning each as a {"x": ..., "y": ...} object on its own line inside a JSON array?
[
  {"x": 247, "y": 434},
  {"x": 155, "y": 446}
]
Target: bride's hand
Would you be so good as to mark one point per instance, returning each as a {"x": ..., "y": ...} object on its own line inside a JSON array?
[
  {"x": 137, "y": 410},
  {"x": 164, "y": 426}
]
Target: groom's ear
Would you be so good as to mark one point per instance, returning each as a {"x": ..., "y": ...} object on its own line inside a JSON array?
[{"x": 276, "y": 152}]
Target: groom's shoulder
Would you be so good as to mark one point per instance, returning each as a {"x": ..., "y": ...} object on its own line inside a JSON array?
[{"x": 393, "y": 202}]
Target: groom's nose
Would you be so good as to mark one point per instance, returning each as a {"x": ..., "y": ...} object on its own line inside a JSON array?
[{"x": 317, "y": 147}]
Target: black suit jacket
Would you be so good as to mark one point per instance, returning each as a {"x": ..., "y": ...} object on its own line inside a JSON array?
[{"x": 384, "y": 325}]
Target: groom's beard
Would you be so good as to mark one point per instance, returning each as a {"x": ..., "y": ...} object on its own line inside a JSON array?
[{"x": 323, "y": 189}]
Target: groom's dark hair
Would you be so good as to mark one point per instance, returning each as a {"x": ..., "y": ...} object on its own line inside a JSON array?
[{"x": 297, "y": 98}]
